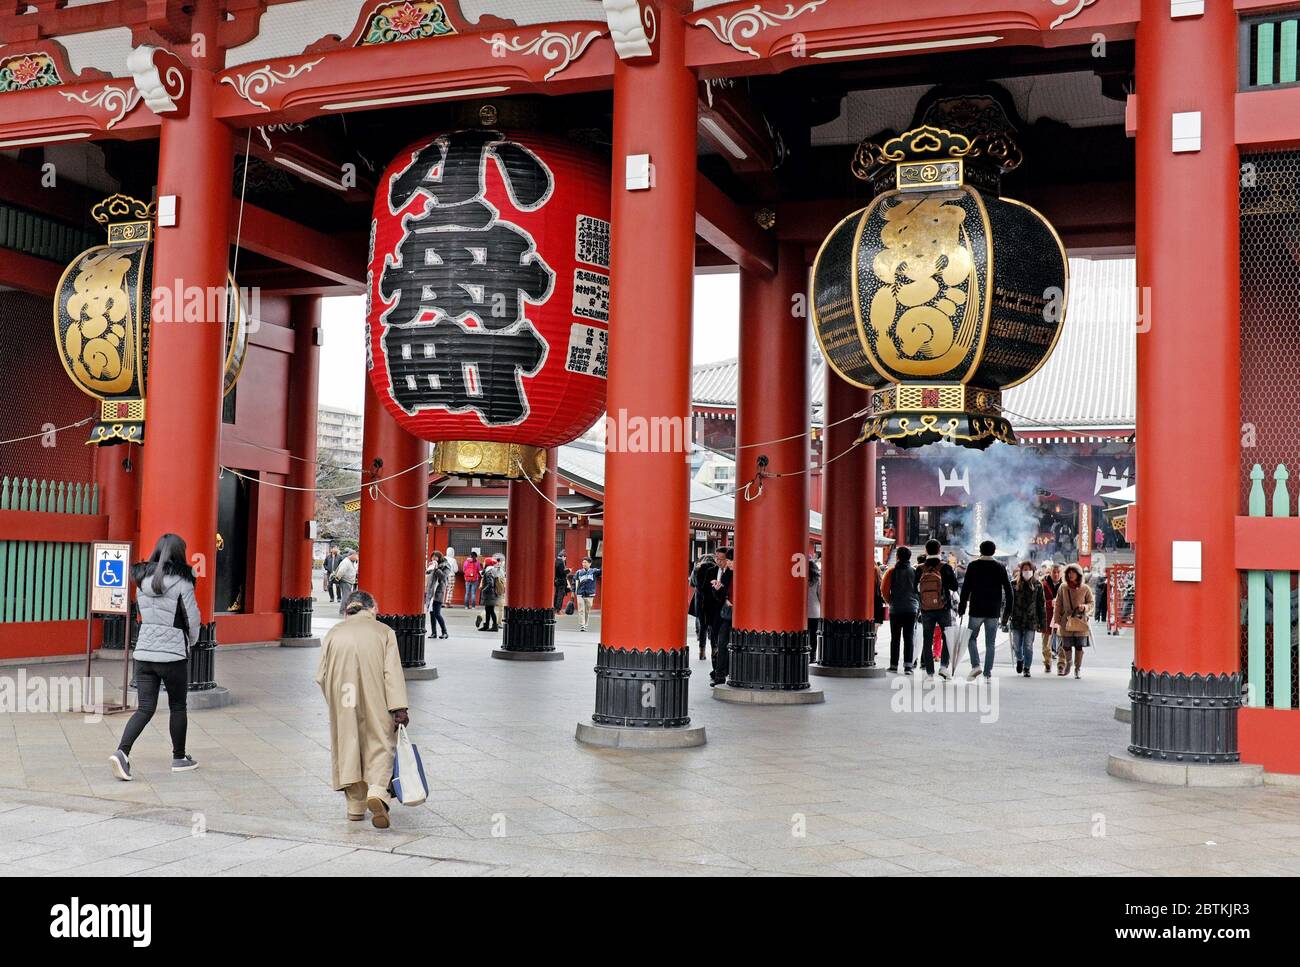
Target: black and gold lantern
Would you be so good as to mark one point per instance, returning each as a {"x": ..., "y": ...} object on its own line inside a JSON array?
[
  {"x": 939, "y": 294},
  {"x": 102, "y": 314}
]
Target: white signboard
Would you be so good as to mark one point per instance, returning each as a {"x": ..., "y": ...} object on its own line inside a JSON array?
[
  {"x": 110, "y": 563},
  {"x": 494, "y": 532}
]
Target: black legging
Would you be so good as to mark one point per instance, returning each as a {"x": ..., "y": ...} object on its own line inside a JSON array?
[
  {"x": 490, "y": 617},
  {"x": 435, "y": 618},
  {"x": 149, "y": 675}
]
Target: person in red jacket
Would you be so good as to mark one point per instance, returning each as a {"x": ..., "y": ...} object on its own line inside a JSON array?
[{"x": 472, "y": 569}]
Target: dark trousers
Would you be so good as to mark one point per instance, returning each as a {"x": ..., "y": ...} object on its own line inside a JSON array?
[
  {"x": 149, "y": 676},
  {"x": 490, "y": 618},
  {"x": 435, "y": 618},
  {"x": 705, "y": 627},
  {"x": 721, "y": 658},
  {"x": 929, "y": 621},
  {"x": 560, "y": 592},
  {"x": 902, "y": 629}
]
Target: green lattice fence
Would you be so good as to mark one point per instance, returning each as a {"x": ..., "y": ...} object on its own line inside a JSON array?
[{"x": 44, "y": 580}]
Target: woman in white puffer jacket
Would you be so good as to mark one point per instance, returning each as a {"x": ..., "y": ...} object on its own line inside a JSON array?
[{"x": 169, "y": 627}]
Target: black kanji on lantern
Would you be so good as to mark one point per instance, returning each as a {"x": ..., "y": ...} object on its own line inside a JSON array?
[{"x": 455, "y": 336}]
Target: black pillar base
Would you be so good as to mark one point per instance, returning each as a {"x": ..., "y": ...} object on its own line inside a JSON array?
[
  {"x": 528, "y": 629},
  {"x": 203, "y": 659},
  {"x": 116, "y": 629},
  {"x": 409, "y": 629},
  {"x": 1184, "y": 718},
  {"x": 768, "y": 659},
  {"x": 847, "y": 643},
  {"x": 642, "y": 689},
  {"x": 297, "y": 617}
]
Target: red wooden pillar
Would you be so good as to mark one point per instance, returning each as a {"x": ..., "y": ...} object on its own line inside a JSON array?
[
  {"x": 178, "y": 489},
  {"x": 848, "y": 638},
  {"x": 769, "y": 638},
  {"x": 394, "y": 501},
  {"x": 300, "y": 503},
  {"x": 117, "y": 470},
  {"x": 642, "y": 665},
  {"x": 528, "y": 629},
  {"x": 1188, "y": 389}
]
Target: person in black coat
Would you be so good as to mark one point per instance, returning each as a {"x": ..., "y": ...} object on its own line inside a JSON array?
[
  {"x": 561, "y": 582},
  {"x": 721, "y": 586},
  {"x": 704, "y": 601},
  {"x": 987, "y": 591}
]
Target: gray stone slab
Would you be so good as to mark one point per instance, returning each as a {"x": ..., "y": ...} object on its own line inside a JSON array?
[
  {"x": 218, "y": 697},
  {"x": 1228, "y": 775},
  {"x": 834, "y": 671},
  {"x": 1123, "y": 713},
  {"x": 426, "y": 673},
  {"x": 505, "y": 655},
  {"x": 299, "y": 642},
  {"x": 769, "y": 696},
  {"x": 615, "y": 737}
]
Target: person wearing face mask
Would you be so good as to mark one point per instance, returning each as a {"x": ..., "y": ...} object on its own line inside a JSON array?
[
  {"x": 1028, "y": 616},
  {"x": 1051, "y": 584}
]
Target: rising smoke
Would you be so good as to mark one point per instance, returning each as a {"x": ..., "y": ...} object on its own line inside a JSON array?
[{"x": 1008, "y": 480}]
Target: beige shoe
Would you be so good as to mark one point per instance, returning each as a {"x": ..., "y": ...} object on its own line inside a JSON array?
[
  {"x": 378, "y": 812},
  {"x": 356, "y": 818}
]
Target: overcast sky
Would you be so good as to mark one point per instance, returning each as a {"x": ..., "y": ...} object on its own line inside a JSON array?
[{"x": 343, "y": 357}]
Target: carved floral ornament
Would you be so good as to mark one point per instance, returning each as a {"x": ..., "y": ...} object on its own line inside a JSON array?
[
  {"x": 255, "y": 83},
  {"x": 1076, "y": 8},
  {"x": 28, "y": 71},
  {"x": 633, "y": 26},
  {"x": 115, "y": 102},
  {"x": 734, "y": 29},
  {"x": 560, "y": 48}
]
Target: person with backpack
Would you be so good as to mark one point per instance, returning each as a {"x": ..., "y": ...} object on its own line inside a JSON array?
[
  {"x": 1028, "y": 616},
  {"x": 987, "y": 590},
  {"x": 435, "y": 593},
  {"x": 492, "y": 591},
  {"x": 936, "y": 583},
  {"x": 584, "y": 583},
  {"x": 898, "y": 588},
  {"x": 169, "y": 627},
  {"x": 1073, "y": 605}
]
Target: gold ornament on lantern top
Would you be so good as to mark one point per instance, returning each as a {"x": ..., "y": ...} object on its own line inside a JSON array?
[
  {"x": 940, "y": 293},
  {"x": 102, "y": 320}
]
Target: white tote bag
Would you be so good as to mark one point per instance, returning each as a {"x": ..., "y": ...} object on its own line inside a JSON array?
[{"x": 409, "y": 785}]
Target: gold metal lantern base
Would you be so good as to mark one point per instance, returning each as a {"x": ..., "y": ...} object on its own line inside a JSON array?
[
  {"x": 120, "y": 421},
  {"x": 470, "y": 458},
  {"x": 918, "y": 414}
]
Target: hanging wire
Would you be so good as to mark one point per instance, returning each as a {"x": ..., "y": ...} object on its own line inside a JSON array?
[
  {"x": 535, "y": 487},
  {"x": 325, "y": 490},
  {"x": 57, "y": 429}
]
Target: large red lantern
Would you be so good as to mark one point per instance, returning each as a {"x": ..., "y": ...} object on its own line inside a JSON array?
[{"x": 488, "y": 305}]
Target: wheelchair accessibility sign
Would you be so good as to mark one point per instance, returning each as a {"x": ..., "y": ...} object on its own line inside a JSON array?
[{"x": 110, "y": 563}]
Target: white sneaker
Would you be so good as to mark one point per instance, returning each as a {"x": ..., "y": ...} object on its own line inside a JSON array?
[
  {"x": 943, "y": 672},
  {"x": 975, "y": 673}
]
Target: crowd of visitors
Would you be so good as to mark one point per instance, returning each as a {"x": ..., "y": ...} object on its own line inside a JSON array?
[{"x": 1045, "y": 602}]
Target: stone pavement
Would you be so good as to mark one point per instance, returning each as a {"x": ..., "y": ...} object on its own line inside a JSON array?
[{"x": 859, "y": 785}]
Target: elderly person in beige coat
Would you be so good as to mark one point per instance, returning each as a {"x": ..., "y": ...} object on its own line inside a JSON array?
[{"x": 361, "y": 677}]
